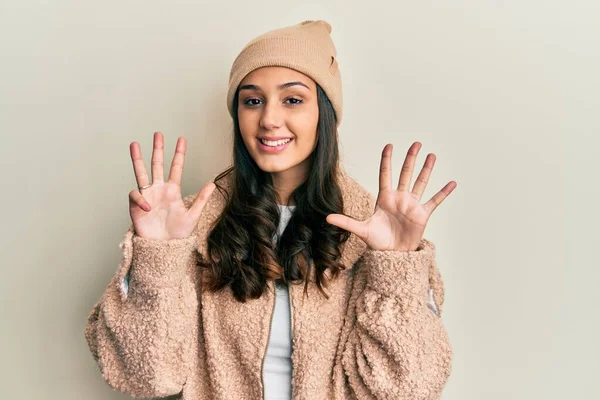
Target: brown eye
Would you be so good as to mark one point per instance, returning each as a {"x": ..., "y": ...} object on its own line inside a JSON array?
[
  {"x": 253, "y": 104},
  {"x": 295, "y": 101}
]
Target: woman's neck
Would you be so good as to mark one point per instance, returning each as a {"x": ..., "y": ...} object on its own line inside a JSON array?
[{"x": 285, "y": 186}]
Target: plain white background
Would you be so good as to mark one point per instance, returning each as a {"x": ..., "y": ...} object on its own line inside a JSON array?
[{"x": 504, "y": 93}]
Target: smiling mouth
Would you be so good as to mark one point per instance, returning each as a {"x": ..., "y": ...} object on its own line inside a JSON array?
[
  {"x": 273, "y": 146},
  {"x": 275, "y": 143}
]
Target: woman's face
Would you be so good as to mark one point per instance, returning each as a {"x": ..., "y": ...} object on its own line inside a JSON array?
[{"x": 277, "y": 103}]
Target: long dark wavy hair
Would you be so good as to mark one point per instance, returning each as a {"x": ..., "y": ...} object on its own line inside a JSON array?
[{"x": 241, "y": 251}]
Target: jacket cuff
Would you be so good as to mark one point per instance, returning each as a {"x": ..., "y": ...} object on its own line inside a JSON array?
[
  {"x": 161, "y": 263},
  {"x": 400, "y": 273}
]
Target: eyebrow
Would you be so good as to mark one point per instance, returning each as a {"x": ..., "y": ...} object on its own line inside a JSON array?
[{"x": 280, "y": 87}]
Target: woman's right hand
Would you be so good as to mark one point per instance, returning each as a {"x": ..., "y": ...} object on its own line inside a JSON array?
[{"x": 158, "y": 212}]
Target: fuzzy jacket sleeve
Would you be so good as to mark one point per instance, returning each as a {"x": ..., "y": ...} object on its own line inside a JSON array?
[
  {"x": 397, "y": 347},
  {"x": 141, "y": 339}
]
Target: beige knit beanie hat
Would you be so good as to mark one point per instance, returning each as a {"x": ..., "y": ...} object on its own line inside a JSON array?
[{"x": 305, "y": 47}]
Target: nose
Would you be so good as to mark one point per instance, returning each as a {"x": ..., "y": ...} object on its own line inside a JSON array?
[{"x": 272, "y": 116}]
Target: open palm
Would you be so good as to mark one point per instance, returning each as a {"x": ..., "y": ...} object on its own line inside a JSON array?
[
  {"x": 157, "y": 210},
  {"x": 399, "y": 220}
]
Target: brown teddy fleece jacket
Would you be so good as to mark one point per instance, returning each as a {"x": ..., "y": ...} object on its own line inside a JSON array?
[{"x": 375, "y": 338}]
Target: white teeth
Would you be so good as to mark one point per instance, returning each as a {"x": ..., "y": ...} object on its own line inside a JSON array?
[{"x": 275, "y": 143}]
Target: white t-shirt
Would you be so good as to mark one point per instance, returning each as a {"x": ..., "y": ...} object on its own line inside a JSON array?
[{"x": 277, "y": 371}]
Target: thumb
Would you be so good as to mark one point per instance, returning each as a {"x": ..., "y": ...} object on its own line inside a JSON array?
[
  {"x": 359, "y": 228},
  {"x": 201, "y": 200}
]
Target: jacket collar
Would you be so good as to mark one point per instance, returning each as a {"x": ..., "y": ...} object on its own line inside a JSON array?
[{"x": 358, "y": 204}]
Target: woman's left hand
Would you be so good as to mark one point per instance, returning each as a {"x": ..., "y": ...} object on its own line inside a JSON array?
[{"x": 399, "y": 219}]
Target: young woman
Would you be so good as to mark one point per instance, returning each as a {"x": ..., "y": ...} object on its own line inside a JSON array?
[{"x": 290, "y": 280}]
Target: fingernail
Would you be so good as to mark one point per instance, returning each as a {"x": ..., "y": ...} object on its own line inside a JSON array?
[{"x": 146, "y": 207}]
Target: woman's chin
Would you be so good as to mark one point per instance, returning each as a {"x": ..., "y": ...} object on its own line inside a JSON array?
[{"x": 274, "y": 168}]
